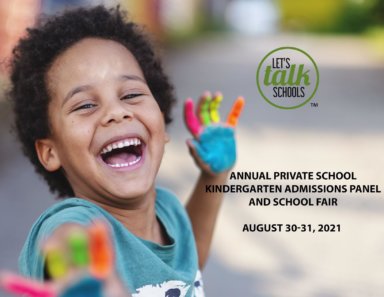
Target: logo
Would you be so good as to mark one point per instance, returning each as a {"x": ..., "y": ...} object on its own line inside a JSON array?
[{"x": 287, "y": 78}]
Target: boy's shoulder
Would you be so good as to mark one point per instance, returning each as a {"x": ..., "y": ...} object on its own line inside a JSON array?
[
  {"x": 169, "y": 206},
  {"x": 165, "y": 196},
  {"x": 74, "y": 210}
]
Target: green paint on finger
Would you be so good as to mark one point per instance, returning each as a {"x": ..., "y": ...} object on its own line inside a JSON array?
[
  {"x": 204, "y": 115},
  {"x": 78, "y": 243}
]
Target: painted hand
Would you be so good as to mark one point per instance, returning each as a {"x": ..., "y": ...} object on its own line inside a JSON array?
[
  {"x": 79, "y": 262},
  {"x": 213, "y": 145}
]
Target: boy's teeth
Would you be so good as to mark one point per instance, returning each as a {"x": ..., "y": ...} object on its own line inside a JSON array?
[
  {"x": 125, "y": 164},
  {"x": 121, "y": 144}
]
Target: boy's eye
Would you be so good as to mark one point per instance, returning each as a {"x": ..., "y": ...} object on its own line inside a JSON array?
[
  {"x": 85, "y": 106},
  {"x": 130, "y": 96}
]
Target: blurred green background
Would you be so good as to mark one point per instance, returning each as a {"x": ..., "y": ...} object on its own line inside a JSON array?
[
  {"x": 174, "y": 22},
  {"x": 332, "y": 16}
]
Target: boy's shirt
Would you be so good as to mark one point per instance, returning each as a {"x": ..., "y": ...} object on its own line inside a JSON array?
[{"x": 148, "y": 269}]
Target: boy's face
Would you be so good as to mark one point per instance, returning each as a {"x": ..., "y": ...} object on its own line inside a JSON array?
[{"x": 108, "y": 132}]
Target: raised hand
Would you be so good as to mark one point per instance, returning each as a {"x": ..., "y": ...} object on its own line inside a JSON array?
[
  {"x": 79, "y": 262},
  {"x": 213, "y": 145}
]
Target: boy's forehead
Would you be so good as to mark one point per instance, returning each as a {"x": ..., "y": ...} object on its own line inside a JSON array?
[
  {"x": 92, "y": 60},
  {"x": 95, "y": 51}
]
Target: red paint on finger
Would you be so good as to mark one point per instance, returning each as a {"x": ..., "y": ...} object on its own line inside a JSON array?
[
  {"x": 21, "y": 286},
  {"x": 190, "y": 118}
]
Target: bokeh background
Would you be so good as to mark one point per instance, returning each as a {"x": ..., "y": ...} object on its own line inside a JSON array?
[{"x": 217, "y": 45}]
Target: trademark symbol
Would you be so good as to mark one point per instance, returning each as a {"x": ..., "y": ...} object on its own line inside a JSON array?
[{"x": 314, "y": 104}]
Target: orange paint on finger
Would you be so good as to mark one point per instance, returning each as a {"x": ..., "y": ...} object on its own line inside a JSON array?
[
  {"x": 101, "y": 252},
  {"x": 236, "y": 111}
]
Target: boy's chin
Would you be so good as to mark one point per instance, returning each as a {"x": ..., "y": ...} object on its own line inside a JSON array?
[{"x": 133, "y": 191}]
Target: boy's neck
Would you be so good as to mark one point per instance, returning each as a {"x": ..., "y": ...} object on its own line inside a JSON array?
[{"x": 140, "y": 219}]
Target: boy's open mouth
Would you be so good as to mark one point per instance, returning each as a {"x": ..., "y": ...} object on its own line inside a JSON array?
[{"x": 123, "y": 153}]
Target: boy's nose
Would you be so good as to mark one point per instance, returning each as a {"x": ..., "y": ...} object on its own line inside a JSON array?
[{"x": 116, "y": 112}]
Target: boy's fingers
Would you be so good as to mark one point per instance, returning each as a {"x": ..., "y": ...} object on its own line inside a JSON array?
[
  {"x": 101, "y": 250},
  {"x": 236, "y": 111},
  {"x": 56, "y": 262},
  {"x": 190, "y": 118},
  {"x": 214, "y": 107},
  {"x": 21, "y": 286},
  {"x": 79, "y": 248},
  {"x": 203, "y": 108}
]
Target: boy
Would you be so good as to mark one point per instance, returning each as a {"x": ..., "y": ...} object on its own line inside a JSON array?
[{"x": 91, "y": 103}]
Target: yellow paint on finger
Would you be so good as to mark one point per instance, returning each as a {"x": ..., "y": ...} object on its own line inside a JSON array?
[
  {"x": 214, "y": 108},
  {"x": 56, "y": 263}
]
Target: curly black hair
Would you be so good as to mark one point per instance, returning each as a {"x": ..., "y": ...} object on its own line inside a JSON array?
[{"x": 34, "y": 55}]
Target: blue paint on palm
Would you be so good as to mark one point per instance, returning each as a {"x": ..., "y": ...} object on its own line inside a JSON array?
[
  {"x": 217, "y": 147},
  {"x": 86, "y": 287}
]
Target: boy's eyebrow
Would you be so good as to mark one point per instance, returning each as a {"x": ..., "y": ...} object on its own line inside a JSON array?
[
  {"x": 131, "y": 77},
  {"x": 75, "y": 91},
  {"x": 87, "y": 87}
]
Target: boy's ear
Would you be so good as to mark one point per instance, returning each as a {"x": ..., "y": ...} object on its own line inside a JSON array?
[
  {"x": 47, "y": 153},
  {"x": 166, "y": 137}
]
